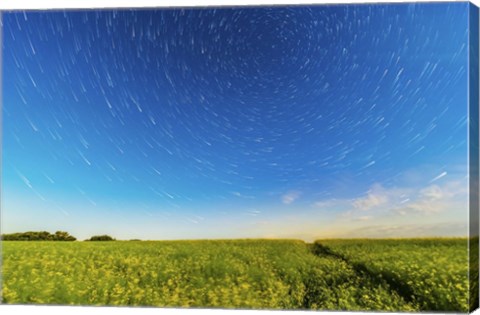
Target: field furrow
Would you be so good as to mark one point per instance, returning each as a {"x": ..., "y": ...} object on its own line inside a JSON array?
[{"x": 431, "y": 273}]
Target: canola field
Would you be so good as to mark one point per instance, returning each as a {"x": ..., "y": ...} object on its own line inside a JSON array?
[{"x": 370, "y": 275}]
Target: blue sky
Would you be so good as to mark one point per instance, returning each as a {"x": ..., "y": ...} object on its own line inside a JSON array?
[{"x": 305, "y": 122}]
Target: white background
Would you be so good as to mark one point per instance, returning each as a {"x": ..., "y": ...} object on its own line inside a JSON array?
[{"x": 51, "y": 4}]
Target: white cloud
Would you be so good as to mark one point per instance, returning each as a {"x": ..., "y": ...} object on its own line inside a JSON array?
[
  {"x": 364, "y": 218},
  {"x": 421, "y": 206},
  {"x": 253, "y": 212},
  {"x": 401, "y": 211},
  {"x": 371, "y": 201},
  {"x": 409, "y": 230},
  {"x": 432, "y": 193},
  {"x": 290, "y": 197},
  {"x": 434, "y": 199},
  {"x": 375, "y": 197},
  {"x": 401, "y": 202}
]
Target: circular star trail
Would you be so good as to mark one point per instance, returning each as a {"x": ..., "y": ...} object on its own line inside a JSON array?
[{"x": 230, "y": 106}]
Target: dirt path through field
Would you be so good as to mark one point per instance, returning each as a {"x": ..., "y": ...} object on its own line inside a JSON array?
[{"x": 384, "y": 279}]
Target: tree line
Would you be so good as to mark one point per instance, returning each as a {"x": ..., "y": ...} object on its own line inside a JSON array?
[
  {"x": 39, "y": 236},
  {"x": 47, "y": 236}
]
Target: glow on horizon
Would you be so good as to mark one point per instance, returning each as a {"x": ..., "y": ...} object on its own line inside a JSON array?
[{"x": 380, "y": 212}]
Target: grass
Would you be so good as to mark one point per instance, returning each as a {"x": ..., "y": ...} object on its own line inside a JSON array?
[
  {"x": 430, "y": 273},
  {"x": 370, "y": 275}
]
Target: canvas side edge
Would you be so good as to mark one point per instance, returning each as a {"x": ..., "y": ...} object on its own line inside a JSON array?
[
  {"x": 473, "y": 156},
  {"x": 1, "y": 154}
]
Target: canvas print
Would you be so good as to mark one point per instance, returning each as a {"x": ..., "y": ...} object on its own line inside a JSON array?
[{"x": 307, "y": 157}]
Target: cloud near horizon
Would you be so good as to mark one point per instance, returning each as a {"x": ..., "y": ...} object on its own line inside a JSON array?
[
  {"x": 376, "y": 196},
  {"x": 290, "y": 197},
  {"x": 438, "y": 207},
  {"x": 454, "y": 229}
]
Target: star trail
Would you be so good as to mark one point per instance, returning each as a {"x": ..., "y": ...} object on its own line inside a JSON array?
[{"x": 297, "y": 121}]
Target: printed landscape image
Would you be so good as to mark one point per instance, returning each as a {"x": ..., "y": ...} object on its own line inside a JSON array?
[{"x": 287, "y": 157}]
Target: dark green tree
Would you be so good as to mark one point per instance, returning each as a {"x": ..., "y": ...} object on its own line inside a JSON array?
[
  {"x": 63, "y": 236},
  {"x": 38, "y": 236},
  {"x": 101, "y": 238}
]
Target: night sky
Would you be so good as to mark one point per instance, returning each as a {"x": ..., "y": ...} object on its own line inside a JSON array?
[{"x": 301, "y": 122}]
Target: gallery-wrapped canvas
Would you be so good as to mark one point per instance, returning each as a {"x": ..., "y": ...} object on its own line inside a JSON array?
[{"x": 300, "y": 157}]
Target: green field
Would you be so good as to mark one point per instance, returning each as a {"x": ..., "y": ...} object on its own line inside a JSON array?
[{"x": 387, "y": 275}]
